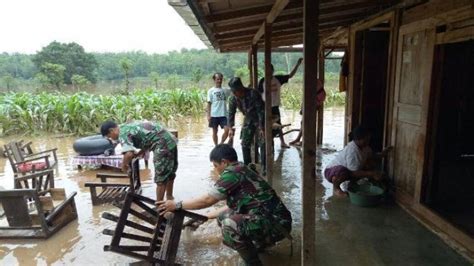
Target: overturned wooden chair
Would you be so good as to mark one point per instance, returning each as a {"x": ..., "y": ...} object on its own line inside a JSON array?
[
  {"x": 24, "y": 161},
  {"x": 142, "y": 234},
  {"x": 35, "y": 210},
  {"x": 103, "y": 192}
]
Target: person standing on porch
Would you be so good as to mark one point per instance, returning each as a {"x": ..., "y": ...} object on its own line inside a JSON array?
[
  {"x": 277, "y": 82},
  {"x": 249, "y": 102},
  {"x": 217, "y": 108}
]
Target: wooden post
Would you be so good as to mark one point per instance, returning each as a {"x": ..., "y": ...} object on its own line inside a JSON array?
[
  {"x": 255, "y": 65},
  {"x": 254, "y": 77},
  {"x": 249, "y": 65},
  {"x": 268, "y": 103},
  {"x": 320, "y": 113},
  {"x": 310, "y": 54}
]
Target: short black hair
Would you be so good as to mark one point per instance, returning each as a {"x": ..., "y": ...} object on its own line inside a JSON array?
[
  {"x": 235, "y": 84},
  {"x": 221, "y": 152},
  {"x": 107, "y": 126},
  {"x": 359, "y": 133},
  {"x": 218, "y": 74}
]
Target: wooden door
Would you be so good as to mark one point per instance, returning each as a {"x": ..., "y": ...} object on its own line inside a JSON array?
[{"x": 411, "y": 99}]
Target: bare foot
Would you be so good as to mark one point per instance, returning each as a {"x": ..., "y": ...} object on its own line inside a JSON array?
[{"x": 339, "y": 193}]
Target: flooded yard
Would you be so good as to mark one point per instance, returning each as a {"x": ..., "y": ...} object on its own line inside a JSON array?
[{"x": 343, "y": 231}]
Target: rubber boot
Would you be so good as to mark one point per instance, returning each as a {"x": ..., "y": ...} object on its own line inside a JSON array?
[
  {"x": 246, "y": 152},
  {"x": 250, "y": 256}
]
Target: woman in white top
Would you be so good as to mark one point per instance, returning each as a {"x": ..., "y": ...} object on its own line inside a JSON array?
[{"x": 351, "y": 163}]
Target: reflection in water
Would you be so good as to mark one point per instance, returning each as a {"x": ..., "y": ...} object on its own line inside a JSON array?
[{"x": 81, "y": 242}]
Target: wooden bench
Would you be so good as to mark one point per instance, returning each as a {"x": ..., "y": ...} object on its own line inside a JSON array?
[
  {"x": 143, "y": 234},
  {"x": 103, "y": 192},
  {"x": 35, "y": 210}
]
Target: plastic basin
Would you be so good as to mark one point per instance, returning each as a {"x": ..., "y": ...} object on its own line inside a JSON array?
[{"x": 365, "y": 195}]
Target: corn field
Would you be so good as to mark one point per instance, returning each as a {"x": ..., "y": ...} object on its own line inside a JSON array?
[{"x": 81, "y": 113}]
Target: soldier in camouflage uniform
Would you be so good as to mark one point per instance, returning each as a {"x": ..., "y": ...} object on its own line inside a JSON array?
[
  {"x": 254, "y": 216},
  {"x": 148, "y": 136},
  {"x": 250, "y": 103}
]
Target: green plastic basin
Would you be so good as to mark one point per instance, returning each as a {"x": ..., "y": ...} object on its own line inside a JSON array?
[{"x": 365, "y": 195}]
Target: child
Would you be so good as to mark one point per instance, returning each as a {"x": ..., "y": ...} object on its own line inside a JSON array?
[
  {"x": 217, "y": 108},
  {"x": 254, "y": 216},
  {"x": 147, "y": 136},
  {"x": 320, "y": 97},
  {"x": 351, "y": 163}
]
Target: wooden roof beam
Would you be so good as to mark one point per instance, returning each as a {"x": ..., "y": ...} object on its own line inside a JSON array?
[
  {"x": 254, "y": 23},
  {"x": 281, "y": 30},
  {"x": 248, "y": 12},
  {"x": 327, "y": 6},
  {"x": 252, "y": 32},
  {"x": 292, "y": 40},
  {"x": 274, "y": 13},
  {"x": 334, "y": 21}
]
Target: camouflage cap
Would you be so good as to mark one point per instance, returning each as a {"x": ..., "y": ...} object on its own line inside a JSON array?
[{"x": 235, "y": 84}]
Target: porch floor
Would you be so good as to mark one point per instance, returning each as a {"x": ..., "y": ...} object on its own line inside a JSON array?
[{"x": 350, "y": 235}]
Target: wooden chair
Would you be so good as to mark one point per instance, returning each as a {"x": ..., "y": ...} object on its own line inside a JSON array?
[
  {"x": 41, "y": 181},
  {"x": 141, "y": 233},
  {"x": 115, "y": 191},
  {"x": 24, "y": 162},
  {"x": 36, "y": 210}
]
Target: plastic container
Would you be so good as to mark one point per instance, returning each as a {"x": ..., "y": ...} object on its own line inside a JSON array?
[{"x": 365, "y": 195}]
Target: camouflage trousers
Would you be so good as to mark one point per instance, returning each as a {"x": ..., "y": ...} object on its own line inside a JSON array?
[
  {"x": 247, "y": 136},
  {"x": 241, "y": 231},
  {"x": 166, "y": 164}
]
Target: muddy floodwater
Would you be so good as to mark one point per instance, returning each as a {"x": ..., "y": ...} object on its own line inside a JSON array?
[{"x": 81, "y": 242}]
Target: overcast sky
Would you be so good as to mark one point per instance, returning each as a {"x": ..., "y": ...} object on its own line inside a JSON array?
[{"x": 98, "y": 25}]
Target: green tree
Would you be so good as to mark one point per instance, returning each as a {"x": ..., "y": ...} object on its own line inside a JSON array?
[
  {"x": 155, "y": 77},
  {"x": 79, "y": 82},
  {"x": 70, "y": 55},
  {"x": 243, "y": 73},
  {"x": 54, "y": 74},
  {"x": 126, "y": 65}
]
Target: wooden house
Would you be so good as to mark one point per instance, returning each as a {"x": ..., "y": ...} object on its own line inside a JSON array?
[{"x": 411, "y": 80}]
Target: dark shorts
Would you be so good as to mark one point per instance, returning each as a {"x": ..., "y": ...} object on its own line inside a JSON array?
[
  {"x": 337, "y": 171},
  {"x": 276, "y": 112},
  {"x": 218, "y": 121}
]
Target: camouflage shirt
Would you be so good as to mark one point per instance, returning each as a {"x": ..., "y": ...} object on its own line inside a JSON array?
[
  {"x": 145, "y": 135},
  {"x": 246, "y": 192},
  {"x": 251, "y": 105}
]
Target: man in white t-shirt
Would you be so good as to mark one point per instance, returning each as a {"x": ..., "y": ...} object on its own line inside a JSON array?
[
  {"x": 351, "y": 163},
  {"x": 217, "y": 108},
  {"x": 277, "y": 82}
]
